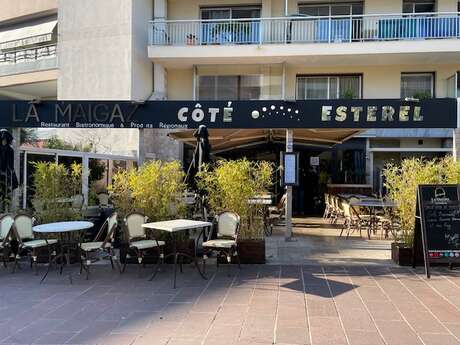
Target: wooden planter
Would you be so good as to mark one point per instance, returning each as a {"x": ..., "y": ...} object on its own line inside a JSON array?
[
  {"x": 250, "y": 252},
  {"x": 402, "y": 255}
]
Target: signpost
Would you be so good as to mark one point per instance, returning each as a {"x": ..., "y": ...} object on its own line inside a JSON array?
[{"x": 437, "y": 226}]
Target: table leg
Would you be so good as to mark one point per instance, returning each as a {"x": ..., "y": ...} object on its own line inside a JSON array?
[{"x": 175, "y": 259}]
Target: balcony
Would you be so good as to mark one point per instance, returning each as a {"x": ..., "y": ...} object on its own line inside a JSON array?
[
  {"x": 297, "y": 34},
  {"x": 334, "y": 29},
  {"x": 28, "y": 60}
]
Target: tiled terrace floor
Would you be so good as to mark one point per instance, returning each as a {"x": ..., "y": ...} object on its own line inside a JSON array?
[{"x": 268, "y": 304}]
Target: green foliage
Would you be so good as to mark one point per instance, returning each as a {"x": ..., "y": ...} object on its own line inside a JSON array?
[
  {"x": 28, "y": 135},
  {"x": 54, "y": 184},
  {"x": 230, "y": 183},
  {"x": 97, "y": 168},
  {"x": 155, "y": 189},
  {"x": 401, "y": 181},
  {"x": 348, "y": 94},
  {"x": 421, "y": 95}
]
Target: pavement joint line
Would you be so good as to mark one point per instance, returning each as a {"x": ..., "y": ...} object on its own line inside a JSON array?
[
  {"x": 307, "y": 314},
  {"x": 335, "y": 305},
  {"x": 275, "y": 326},
  {"x": 394, "y": 305},
  {"x": 249, "y": 305},
  {"x": 365, "y": 306},
  {"x": 447, "y": 278},
  {"x": 219, "y": 307},
  {"x": 426, "y": 307}
]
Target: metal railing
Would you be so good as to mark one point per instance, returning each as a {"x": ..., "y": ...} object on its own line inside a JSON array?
[
  {"x": 27, "y": 55},
  {"x": 332, "y": 29}
]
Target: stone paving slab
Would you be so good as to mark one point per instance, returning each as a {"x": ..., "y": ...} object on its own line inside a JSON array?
[{"x": 259, "y": 304}]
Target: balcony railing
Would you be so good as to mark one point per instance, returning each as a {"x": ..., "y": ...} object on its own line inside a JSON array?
[
  {"x": 27, "y": 55},
  {"x": 333, "y": 29}
]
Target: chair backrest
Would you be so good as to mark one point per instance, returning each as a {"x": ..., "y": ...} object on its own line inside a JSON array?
[
  {"x": 111, "y": 223},
  {"x": 228, "y": 225},
  {"x": 134, "y": 223},
  {"x": 282, "y": 203},
  {"x": 346, "y": 209},
  {"x": 6, "y": 222},
  {"x": 103, "y": 199},
  {"x": 77, "y": 201},
  {"x": 23, "y": 224}
]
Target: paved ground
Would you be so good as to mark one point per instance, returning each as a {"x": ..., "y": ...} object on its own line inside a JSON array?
[
  {"x": 267, "y": 304},
  {"x": 318, "y": 242}
]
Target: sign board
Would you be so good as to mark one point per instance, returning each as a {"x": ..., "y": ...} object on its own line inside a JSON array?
[
  {"x": 290, "y": 176},
  {"x": 343, "y": 113},
  {"x": 314, "y": 161},
  {"x": 438, "y": 224}
]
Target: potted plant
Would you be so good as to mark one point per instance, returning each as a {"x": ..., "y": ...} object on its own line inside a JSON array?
[
  {"x": 401, "y": 181},
  {"x": 191, "y": 39},
  {"x": 229, "y": 184},
  {"x": 154, "y": 190}
]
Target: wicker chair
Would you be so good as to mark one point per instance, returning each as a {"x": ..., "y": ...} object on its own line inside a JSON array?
[
  {"x": 6, "y": 235},
  {"x": 226, "y": 243},
  {"x": 101, "y": 247},
  {"x": 27, "y": 242},
  {"x": 138, "y": 241}
]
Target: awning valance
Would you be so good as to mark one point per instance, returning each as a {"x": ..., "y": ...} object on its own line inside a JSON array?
[
  {"x": 33, "y": 32},
  {"x": 228, "y": 139}
]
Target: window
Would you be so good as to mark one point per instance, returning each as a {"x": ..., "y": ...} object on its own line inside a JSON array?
[
  {"x": 417, "y": 85},
  {"x": 238, "y": 12},
  {"x": 229, "y": 87},
  {"x": 329, "y": 87},
  {"x": 418, "y": 6},
  {"x": 339, "y": 9}
]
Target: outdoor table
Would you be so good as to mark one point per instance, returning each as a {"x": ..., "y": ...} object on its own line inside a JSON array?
[
  {"x": 372, "y": 204},
  {"x": 63, "y": 230},
  {"x": 173, "y": 227},
  {"x": 265, "y": 201}
]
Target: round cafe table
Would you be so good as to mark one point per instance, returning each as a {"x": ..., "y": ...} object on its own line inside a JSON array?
[{"x": 64, "y": 231}]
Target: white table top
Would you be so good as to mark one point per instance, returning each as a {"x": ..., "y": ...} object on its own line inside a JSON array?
[
  {"x": 176, "y": 225},
  {"x": 63, "y": 227},
  {"x": 260, "y": 201},
  {"x": 373, "y": 203}
]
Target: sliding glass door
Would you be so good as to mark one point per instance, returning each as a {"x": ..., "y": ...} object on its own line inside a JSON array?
[{"x": 231, "y": 25}]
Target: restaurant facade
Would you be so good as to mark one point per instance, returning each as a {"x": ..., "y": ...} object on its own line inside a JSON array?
[{"x": 359, "y": 82}]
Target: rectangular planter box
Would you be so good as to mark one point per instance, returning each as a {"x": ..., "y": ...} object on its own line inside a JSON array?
[
  {"x": 402, "y": 255},
  {"x": 250, "y": 252}
]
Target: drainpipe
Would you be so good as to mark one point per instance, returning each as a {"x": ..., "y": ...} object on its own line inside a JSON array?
[{"x": 286, "y": 7}]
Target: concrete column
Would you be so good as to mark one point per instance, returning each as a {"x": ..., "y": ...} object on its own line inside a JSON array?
[
  {"x": 160, "y": 13},
  {"x": 288, "y": 214},
  {"x": 456, "y": 144},
  {"x": 141, "y": 151},
  {"x": 16, "y": 132}
]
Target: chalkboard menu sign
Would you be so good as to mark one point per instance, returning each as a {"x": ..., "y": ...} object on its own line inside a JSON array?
[{"x": 438, "y": 223}]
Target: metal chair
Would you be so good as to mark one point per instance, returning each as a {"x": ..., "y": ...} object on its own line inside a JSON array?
[
  {"x": 101, "y": 247},
  {"x": 103, "y": 199},
  {"x": 139, "y": 243},
  {"x": 27, "y": 242},
  {"x": 226, "y": 243},
  {"x": 6, "y": 235}
]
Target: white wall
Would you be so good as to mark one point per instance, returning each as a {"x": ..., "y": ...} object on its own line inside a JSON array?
[{"x": 103, "y": 56}]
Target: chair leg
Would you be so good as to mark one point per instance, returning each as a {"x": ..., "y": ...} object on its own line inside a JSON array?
[
  {"x": 139, "y": 262},
  {"x": 237, "y": 258},
  {"x": 205, "y": 257}
]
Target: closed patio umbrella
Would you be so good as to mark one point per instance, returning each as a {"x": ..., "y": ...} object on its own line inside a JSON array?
[
  {"x": 201, "y": 155},
  {"x": 8, "y": 179}
]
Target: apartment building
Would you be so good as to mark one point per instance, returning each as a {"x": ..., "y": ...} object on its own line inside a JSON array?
[{"x": 206, "y": 50}]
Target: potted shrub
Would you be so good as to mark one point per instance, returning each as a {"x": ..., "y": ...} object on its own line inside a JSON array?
[
  {"x": 153, "y": 189},
  {"x": 55, "y": 187},
  {"x": 229, "y": 184},
  {"x": 401, "y": 181}
]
